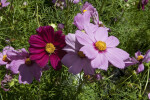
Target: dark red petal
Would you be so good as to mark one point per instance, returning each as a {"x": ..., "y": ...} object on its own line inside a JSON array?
[
  {"x": 36, "y": 50},
  {"x": 54, "y": 59},
  {"x": 43, "y": 61},
  {"x": 47, "y": 32},
  {"x": 37, "y": 56},
  {"x": 36, "y": 41}
]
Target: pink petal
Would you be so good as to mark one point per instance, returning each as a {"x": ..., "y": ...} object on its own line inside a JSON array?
[
  {"x": 89, "y": 51},
  {"x": 119, "y": 52},
  {"x": 68, "y": 49},
  {"x": 15, "y": 64},
  {"x": 43, "y": 61},
  {"x": 114, "y": 58},
  {"x": 112, "y": 41},
  {"x": 83, "y": 38},
  {"x": 70, "y": 40},
  {"x": 69, "y": 59},
  {"x": 77, "y": 66},
  {"x": 101, "y": 34},
  {"x": 138, "y": 53},
  {"x": 147, "y": 57},
  {"x": 5, "y": 4},
  {"x": 140, "y": 68},
  {"x": 100, "y": 62},
  {"x": 25, "y": 76}
]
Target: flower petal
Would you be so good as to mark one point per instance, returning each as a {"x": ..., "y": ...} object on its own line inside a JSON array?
[
  {"x": 69, "y": 59},
  {"x": 147, "y": 57},
  {"x": 115, "y": 58},
  {"x": 77, "y": 66},
  {"x": 25, "y": 76},
  {"x": 88, "y": 70},
  {"x": 101, "y": 34},
  {"x": 36, "y": 50},
  {"x": 54, "y": 59},
  {"x": 112, "y": 41},
  {"x": 138, "y": 53},
  {"x": 37, "y": 56},
  {"x": 140, "y": 68},
  {"x": 89, "y": 51},
  {"x": 83, "y": 38},
  {"x": 15, "y": 64},
  {"x": 100, "y": 62},
  {"x": 43, "y": 61}
]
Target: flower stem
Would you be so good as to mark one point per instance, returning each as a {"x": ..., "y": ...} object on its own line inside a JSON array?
[
  {"x": 37, "y": 16},
  {"x": 146, "y": 81}
]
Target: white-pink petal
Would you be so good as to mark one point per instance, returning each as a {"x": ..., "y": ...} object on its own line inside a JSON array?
[{"x": 112, "y": 41}]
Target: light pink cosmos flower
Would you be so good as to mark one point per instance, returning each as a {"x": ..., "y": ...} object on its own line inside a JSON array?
[
  {"x": 75, "y": 59},
  {"x": 149, "y": 96},
  {"x": 3, "y": 57},
  {"x": 82, "y": 22},
  {"x": 101, "y": 49},
  {"x": 3, "y": 3},
  {"x": 139, "y": 59},
  {"x": 22, "y": 64}
]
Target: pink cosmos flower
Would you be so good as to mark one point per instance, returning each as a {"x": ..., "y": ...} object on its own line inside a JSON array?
[
  {"x": 87, "y": 7},
  {"x": 4, "y": 60},
  {"x": 139, "y": 59},
  {"x": 3, "y": 3},
  {"x": 82, "y": 21},
  {"x": 47, "y": 45},
  {"x": 101, "y": 49},
  {"x": 5, "y": 82},
  {"x": 149, "y": 96},
  {"x": 22, "y": 64},
  {"x": 75, "y": 59}
]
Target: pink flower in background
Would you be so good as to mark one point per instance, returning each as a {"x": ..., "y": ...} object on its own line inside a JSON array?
[
  {"x": 22, "y": 64},
  {"x": 87, "y": 7},
  {"x": 144, "y": 2},
  {"x": 75, "y": 59},
  {"x": 101, "y": 49},
  {"x": 47, "y": 45},
  {"x": 4, "y": 60},
  {"x": 5, "y": 81},
  {"x": 139, "y": 59},
  {"x": 149, "y": 96},
  {"x": 3, "y": 3}
]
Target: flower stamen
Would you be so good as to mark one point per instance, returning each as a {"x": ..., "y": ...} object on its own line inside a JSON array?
[
  {"x": 81, "y": 54},
  {"x": 84, "y": 11},
  {"x": 139, "y": 58},
  {"x": 50, "y": 48},
  {"x": 28, "y": 62},
  {"x": 5, "y": 59},
  {"x": 100, "y": 45}
]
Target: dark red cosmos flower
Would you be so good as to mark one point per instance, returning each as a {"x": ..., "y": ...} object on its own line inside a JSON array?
[{"x": 47, "y": 45}]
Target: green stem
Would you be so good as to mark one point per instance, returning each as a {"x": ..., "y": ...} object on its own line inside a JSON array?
[
  {"x": 37, "y": 16},
  {"x": 146, "y": 81}
]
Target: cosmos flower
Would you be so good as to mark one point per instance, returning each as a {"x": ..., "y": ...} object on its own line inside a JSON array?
[
  {"x": 3, "y": 3},
  {"x": 87, "y": 7},
  {"x": 101, "y": 49},
  {"x": 4, "y": 60},
  {"x": 5, "y": 81},
  {"x": 60, "y": 26},
  {"x": 144, "y": 2},
  {"x": 75, "y": 59},
  {"x": 139, "y": 59},
  {"x": 47, "y": 45},
  {"x": 22, "y": 64}
]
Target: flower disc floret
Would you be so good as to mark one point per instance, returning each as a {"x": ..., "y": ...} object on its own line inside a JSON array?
[
  {"x": 84, "y": 11},
  {"x": 139, "y": 58},
  {"x": 100, "y": 45},
  {"x": 5, "y": 59},
  {"x": 50, "y": 48},
  {"x": 28, "y": 61},
  {"x": 81, "y": 54}
]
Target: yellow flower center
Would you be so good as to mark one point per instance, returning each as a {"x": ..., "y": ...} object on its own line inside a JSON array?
[
  {"x": 50, "y": 48},
  {"x": 81, "y": 54},
  {"x": 5, "y": 59},
  {"x": 100, "y": 45},
  {"x": 0, "y": 4},
  {"x": 83, "y": 31},
  {"x": 140, "y": 58},
  {"x": 28, "y": 62},
  {"x": 84, "y": 11}
]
